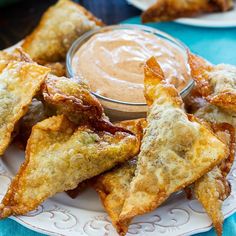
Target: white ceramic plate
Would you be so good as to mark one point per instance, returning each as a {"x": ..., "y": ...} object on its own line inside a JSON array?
[
  {"x": 216, "y": 20},
  {"x": 84, "y": 215}
]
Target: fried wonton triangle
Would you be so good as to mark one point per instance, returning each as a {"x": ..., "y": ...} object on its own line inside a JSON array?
[
  {"x": 59, "y": 27},
  {"x": 19, "y": 82},
  {"x": 213, "y": 188},
  {"x": 176, "y": 148},
  {"x": 166, "y": 10},
  {"x": 113, "y": 186},
  {"x": 71, "y": 97},
  {"x": 215, "y": 83},
  {"x": 60, "y": 155}
]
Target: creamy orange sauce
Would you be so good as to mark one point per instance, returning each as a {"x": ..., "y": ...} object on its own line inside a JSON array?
[{"x": 112, "y": 62}]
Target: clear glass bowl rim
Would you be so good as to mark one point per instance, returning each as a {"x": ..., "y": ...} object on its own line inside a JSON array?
[{"x": 82, "y": 39}]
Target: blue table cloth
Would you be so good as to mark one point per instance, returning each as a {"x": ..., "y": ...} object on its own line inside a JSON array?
[{"x": 217, "y": 46}]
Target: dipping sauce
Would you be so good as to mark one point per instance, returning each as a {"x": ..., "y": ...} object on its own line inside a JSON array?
[{"x": 113, "y": 63}]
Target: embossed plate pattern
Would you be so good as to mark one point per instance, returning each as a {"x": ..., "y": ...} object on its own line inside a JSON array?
[{"x": 84, "y": 215}]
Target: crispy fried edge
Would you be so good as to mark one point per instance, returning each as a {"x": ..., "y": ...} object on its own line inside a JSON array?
[
  {"x": 226, "y": 100},
  {"x": 154, "y": 76},
  {"x": 216, "y": 215},
  {"x": 92, "y": 104},
  {"x": 198, "y": 67}
]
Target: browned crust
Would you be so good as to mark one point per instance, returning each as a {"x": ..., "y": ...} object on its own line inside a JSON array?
[
  {"x": 222, "y": 186},
  {"x": 103, "y": 192},
  {"x": 7, "y": 206},
  {"x": 154, "y": 75},
  {"x": 88, "y": 104},
  {"x": 198, "y": 66},
  {"x": 134, "y": 126},
  {"x": 224, "y": 100},
  {"x": 90, "y": 15}
]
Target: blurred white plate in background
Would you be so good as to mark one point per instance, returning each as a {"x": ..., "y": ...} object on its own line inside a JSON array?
[{"x": 216, "y": 20}]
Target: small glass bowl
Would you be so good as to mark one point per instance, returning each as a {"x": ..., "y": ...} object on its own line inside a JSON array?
[{"x": 115, "y": 109}]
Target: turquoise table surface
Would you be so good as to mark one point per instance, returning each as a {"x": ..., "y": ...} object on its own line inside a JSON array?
[{"x": 217, "y": 46}]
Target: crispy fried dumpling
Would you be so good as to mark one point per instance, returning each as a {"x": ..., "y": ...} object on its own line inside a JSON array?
[
  {"x": 60, "y": 155},
  {"x": 213, "y": 188},
  {"x": 136, "y": 127},
  {"x": 176, "y": 148},
  {"x": 113, "y": 186},
  {"x": 217, "y": 84},
  {"x": 71, "y": 97},
  {"x": 60, "y": 25},
  {"x": 19, "y": 82},
  {"x": 166, "y": 10}
]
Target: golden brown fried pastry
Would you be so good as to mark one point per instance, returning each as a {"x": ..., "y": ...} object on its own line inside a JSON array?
[
  {"x": 213, "y": 188},
  {"x": 60, "y": 155},
  {"x": 135, "y": 126},
  {"x": 60, "y": 25},
  {"x": 217, "y": 84},
  {"x": 176, "y": 148},
  {"x": 166, "y": 10},
  {"x": 113, "y": 186},
  {"x": 72, "y": 98},
  {"x": 19, "y": 82}
]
